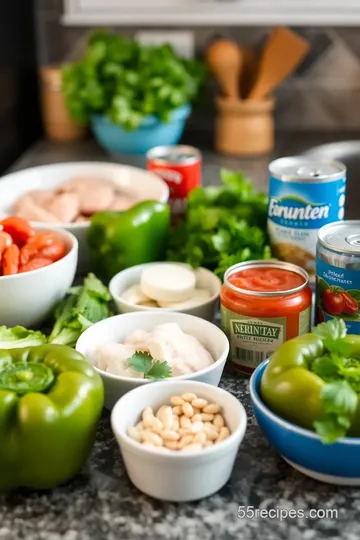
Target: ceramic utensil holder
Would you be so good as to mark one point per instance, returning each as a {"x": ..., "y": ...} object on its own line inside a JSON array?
[{"x": 244, "y": 127}]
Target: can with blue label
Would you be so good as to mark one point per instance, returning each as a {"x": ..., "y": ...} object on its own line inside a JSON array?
[
  {"x": 338, "y": 274},
  {"x": 304, "y": 195}
]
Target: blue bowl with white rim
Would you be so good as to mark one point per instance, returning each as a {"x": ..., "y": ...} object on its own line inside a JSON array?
[{"x": 336, "y": 463}]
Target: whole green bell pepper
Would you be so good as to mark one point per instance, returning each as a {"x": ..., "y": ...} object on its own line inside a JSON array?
[
  {"x": 50, "y": 402},
  {"x": 118, "y": 240},
  {"x": 293, "y": 391}
]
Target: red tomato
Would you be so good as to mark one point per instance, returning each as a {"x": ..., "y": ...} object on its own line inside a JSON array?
[
  {"x": 19, "y": 229},
  {"x": 334, "y": 302},
  {"x": 35, "y": 264},
  {"x": 10, "y": 260},
  {"x": 351, "y": 305}
]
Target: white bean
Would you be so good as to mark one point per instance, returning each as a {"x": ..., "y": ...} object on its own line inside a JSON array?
[
  {"x": 177, "y": 410},
  {"x": 166, "y": 417},
  {"x": 197, "y": 426},
  {"x": 185, "y": 441},
  {"x": 139, "y": 426},
  {"x": 147, "y": 417},
  {"x": 169, "y": 435},
  {"x": 196, "y": 418},
  {"x": 176, "y": 423},
  {"x": 200, "y": 438},
  {"x": 156, "y": 425},
  {"x": 189, "y": 397},
  {"x": 185, "y": 422},
  {"x": 212, "y": 408},
  {"x": 196, "y": 410},
  {"x": 224, "y": 434},
  {"x": 188, "y": 410},
  {"x": 171, "y": 445},
  {"x": 152, "y": 438},
  {"x": 134, "y": 433},
  {"x": 211, "y": 433},
  {"x": 218, "y": 420},
  {"x": 176, "y": 400},
  {"x": 199, "y": 403},
  {"x": 205, "y": 417}
]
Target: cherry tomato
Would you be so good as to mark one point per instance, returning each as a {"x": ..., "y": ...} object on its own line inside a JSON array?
[
  {"x": 54, "y": 252},
  {"x": 334, "y": 302},
  {"x": 19, "y": 229},
  {"x": 10, "y": 260},
  {"x": 35, "y": 264},
  {"x": 351, "y": 305},
  {"x": 36, "y": 244}
]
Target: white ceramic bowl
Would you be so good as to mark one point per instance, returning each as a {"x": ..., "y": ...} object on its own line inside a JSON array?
[
  {"x": 131, "y": 276},
  {"x": 116, "y": 329},
  {"x": 28, "y": 298},
  {"x": 138, "y": 183},
  {"x": 175, "y": 476}
]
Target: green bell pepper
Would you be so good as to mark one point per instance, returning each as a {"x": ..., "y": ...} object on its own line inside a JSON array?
[
  {"x": 314, "y": 381},
  {"x": 50, "y": 402},
  {"x": 118, "y": 240}
]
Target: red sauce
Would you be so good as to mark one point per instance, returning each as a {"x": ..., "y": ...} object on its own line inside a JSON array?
[{"x": 263, "y": 304}]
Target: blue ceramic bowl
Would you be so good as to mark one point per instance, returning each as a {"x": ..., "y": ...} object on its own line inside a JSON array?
[
  {"x": 152, "y": 132},
  {"x": 336, "y": 463}
]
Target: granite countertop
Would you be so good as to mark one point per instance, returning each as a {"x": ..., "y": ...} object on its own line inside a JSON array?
[{"x": 100, "y": 503}]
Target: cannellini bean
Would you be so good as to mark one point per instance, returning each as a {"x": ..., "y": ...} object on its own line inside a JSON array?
[
  {"x": 156, "y": 425},
  {"x": 218, "y": 420},
  {"x": 176, "y": 423},
  {"x": 195, "y": 447},
  {"x": 212, "y": 408},
  {"x": 185, "y": 441},
  {"x": 205, "y": 417},
  {"x": 166, "y": 417},
  {"x": 211, "y": 433},
  {"x": 185, "y": 422},
  {"x": 188, "y": 410},
  {"x": 152, "y": 438},
  {"x": 208, "y": 443},
  {"x": 199, "y": 403},
  {"x": 147, "y": 417},
  {"x": 196, "y": 410},
  {"x": 184, "y": 431},
  {"x": 176, "y": 400},
  {"x": 189, "y": 397},
  {"x": 171, "y": 445},
  {"x": 224, "y": 433},
  {"x": 169, "y": 435},
  {"x": 200, "y": 438},
  {"x": 140, "y": 426},
  {"x": 196, "y": 418},
  {"x": 196, "y": 427},
  {"x": 159, "y": 412},
  {"x": 177, "y": 410},
  {"x": 134, "y": 433}
]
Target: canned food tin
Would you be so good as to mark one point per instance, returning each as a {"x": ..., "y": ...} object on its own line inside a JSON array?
[
  {"x": 338, "y": 274},
  {"x": 304, "y": 195},
  {"x": 180, "y": 167},
  {"x": 263, "y": 304}
]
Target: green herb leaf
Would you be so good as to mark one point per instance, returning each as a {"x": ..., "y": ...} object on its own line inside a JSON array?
[
  {"x": 331, "y": 330},
  {"x": 330, "y": 429},
  {"x": 326, "y": 367},
  {"x": 141, "y": 362},
  {"x": 159, "y": 370}
]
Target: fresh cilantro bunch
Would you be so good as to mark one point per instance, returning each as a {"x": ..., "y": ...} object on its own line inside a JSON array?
[
  {"x": 224, "y": 225},
  {"x": 127, "y": 81},
  {"x": 341, "y": 372},
  {"x": 143, "y": 362}
]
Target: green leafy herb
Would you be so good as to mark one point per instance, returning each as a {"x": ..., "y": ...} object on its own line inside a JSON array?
[
  {"x": 127, "y": 81},
  {"x": 143, "y": 362},
  {"x": 84, "y": 306},
  {"x": 331, "y": 330},
  {"x": 224, "y": 225}
]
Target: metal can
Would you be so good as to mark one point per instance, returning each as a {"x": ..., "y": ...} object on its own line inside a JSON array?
[
  {"x": 180, "y": 167},
  {"x": 263, "y": 304},
  {"x": 304, "y": 195},
  {"x": 338, "y": 274}
]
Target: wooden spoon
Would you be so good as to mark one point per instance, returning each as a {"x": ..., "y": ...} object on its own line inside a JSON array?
[
  {"x": 282, "y": 54},
  {"x": 249, "y": 70},
  {"x": 224, "y": 59}
]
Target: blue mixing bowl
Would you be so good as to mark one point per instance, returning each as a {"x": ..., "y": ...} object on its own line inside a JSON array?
[
  {"x": 336, "y": 463},
  {"x": 152, "y": 132}
]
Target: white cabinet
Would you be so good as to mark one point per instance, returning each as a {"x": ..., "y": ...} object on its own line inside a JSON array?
[{"x": 212, "y": 12}]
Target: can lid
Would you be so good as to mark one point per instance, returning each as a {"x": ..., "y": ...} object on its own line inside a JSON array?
[
  {"x": 341, "y": 236},
  {"x": 305, "y": 169},
  {"x": 282, "y": 265},
  {"x": 174, "y": 155}
]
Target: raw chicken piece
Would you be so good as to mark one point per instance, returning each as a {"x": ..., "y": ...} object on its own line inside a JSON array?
[
  {"x": 80, "y": 184},
  {"x": 139, "y": 339},
  {"x": 96, "y": 199},
  {"x": 113, "y": 358},
  {"x": 27, "y": 209},
  {"x": 65, "y": 207},
  {"x": 122, "y": 202},
  {"x": 42, "y": 197}
]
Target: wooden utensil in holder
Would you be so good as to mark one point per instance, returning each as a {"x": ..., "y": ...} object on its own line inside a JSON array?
[{"x": 244, "y": 127}]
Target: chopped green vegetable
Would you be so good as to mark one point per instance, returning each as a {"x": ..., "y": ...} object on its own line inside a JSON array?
[
  {"x": 224, "y": 225},
  {"x": 143, "y": 362},
  {"x": 84, "y": 306},
  {"x": 18, "y": 336},
  {"x": 128, "y": 81}
]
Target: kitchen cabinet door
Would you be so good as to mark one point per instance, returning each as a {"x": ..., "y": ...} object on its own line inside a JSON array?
[{"x": 212, "y": 12}]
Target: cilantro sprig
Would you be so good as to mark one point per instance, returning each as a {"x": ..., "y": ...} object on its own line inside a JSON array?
[{"x": 143, "y": 362}]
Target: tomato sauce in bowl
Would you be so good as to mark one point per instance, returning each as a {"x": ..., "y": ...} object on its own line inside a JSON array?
[{"x": 263, "y": 304}]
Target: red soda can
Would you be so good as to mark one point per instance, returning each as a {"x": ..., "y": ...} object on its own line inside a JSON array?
[{"x": 180, "y": 167}]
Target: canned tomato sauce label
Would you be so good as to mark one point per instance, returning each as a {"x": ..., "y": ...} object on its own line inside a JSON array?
[
  {"x": 180, "y": 167},
  {"x": 338, "y": 274},
  {"x": 263, "y": 304},
  {"x": 304, "y": 195}
]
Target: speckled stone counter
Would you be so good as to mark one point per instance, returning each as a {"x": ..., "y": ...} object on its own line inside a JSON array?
[{"x": 101, "y": 504}]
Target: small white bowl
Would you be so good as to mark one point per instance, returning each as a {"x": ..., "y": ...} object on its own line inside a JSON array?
[
  {"x": 205, "y": 279},
  {"x": 139, "y": 183},
  {"x": 175, "y": 476},
  {"x": 28, "y": 298},
  {"x": 116, "y": 329}
]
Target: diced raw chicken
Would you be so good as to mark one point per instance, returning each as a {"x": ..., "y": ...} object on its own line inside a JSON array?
[
  {"x": 114, "y": 357},
  {"x": 96, "y": 200},
  {"x": 139, "y": 339},
  {"x": 42, "y": 197},
  {"x": 27, "y": 209},
  {"x": 65, "y": 207},
  {"x": 122, "y": 202},
  {"x": 83, "y": 183}
]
